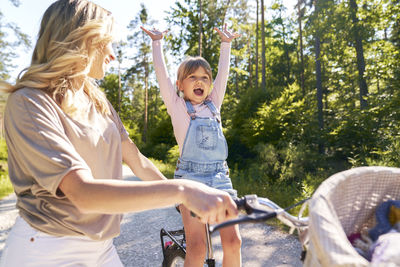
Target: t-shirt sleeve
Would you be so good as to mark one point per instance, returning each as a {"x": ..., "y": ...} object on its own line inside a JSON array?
[
  {"x": 39, "y": 150},
  {"x": 120, "y": 126}
]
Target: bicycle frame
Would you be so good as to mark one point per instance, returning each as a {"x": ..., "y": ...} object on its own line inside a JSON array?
[
  {"x": 258, "y": 210},
  {"x": 210, "y": 260}
]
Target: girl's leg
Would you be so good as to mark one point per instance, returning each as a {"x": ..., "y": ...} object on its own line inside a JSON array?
[
  {"x": 195, "y": 239},
  {"x": 231, "y": 243}
]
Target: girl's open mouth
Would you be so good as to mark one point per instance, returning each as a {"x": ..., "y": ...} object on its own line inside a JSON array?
[{"x": 198, "y": 91}]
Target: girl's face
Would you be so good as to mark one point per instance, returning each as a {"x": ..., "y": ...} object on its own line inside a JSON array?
[
  {"x": 101, "y": 60},
  {"x": 196, "y": 86}
]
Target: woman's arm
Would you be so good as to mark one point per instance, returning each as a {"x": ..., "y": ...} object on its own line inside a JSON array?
[{"x": 115, "y": 196}]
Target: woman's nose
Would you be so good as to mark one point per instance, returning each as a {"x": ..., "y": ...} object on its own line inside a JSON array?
[
  {"x": 111, "y": 53},
  {"x": 112, "y": 56}
]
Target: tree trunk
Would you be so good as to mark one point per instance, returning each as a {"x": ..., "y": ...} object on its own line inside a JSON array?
[
  {"x": 119, "y": 58},
  {"x": 362, "y": 83},
  {"x": 250, "y": 62},
  {"x": 146, "y": 99},
  {"x": 225, "y": 10},
  {"x": 236, "y": 73},
  {"x": 200, "y": 28},
  {"x": 263, "y": 81},
  {"x": 256, "y": 78},
  {"x": 119, "y": 88},
  {"x": 286, "y": 48},
  {"x": 300, "y": 18},
  {"x": 319, "y": 81}
]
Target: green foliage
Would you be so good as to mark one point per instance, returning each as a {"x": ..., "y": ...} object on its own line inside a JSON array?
[
  {"x": 173, "y": 155},
  {"x": 277, "y": 146},
  {"x": 166, "y": 168},
  {"x": 185, "y": 15},
  {"x": 3, "y": 150},
  {"x": 6, "y": 187},
  {"x": 160, "y": 136},
  {"x": 11, "y": 38}
]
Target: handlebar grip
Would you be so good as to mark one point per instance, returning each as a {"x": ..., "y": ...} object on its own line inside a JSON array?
[{"x": 240, "y": 203}]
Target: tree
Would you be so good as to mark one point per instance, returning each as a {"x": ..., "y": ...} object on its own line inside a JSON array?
[
  {"x": 318, "y": 74},
  {"x": 185, "y": 41},
  {"x": 263, "y": 78},
  {"x": 141, "y": 70},
  {"x": 200, "y": 27},
  {"x": 256, "y": 77},
  {"x": 356, "y": 30},
  {"x": 300, "y": 13},
  {"x": 11, "y": 38}
]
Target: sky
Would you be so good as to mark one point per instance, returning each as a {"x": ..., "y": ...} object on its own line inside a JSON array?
[{"x": 28, "y": 15}]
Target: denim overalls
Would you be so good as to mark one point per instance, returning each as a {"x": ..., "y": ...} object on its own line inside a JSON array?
[{"x": 205, "y": 151}]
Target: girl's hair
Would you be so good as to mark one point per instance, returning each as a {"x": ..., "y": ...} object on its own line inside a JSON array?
[
  {"x": 190, "y": 65},
  {"x": 71, "y": 33}
]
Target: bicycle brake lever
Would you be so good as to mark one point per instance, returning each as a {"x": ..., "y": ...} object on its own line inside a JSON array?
[{"x": 250, "y": 204}]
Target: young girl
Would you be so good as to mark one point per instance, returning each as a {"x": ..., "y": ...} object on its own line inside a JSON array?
[{"x": 198, "y": 131}]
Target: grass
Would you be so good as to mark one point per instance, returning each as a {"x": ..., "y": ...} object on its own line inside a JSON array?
[
  {"x": 166, "y": 168},
  {"x": 5, "y": 184}
]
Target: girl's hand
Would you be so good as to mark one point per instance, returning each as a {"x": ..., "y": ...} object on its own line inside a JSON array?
[
  {"x": 226, "y": 36},
  {"x": 154, "y": 34}
]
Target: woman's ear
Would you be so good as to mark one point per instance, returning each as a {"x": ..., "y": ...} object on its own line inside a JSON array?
[{"x": 177, "y": 85}]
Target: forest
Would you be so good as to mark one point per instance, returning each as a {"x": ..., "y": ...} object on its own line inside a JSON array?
[{"x": 309, "y": 94}]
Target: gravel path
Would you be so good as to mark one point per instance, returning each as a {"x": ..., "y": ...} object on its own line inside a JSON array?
[{"x": 139, "y": 242}]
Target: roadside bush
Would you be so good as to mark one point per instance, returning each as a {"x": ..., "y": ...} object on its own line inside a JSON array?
[{"x": 5, "y": 184}]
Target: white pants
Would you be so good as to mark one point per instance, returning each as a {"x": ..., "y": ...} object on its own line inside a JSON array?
[{"x": 26, "y": 246}]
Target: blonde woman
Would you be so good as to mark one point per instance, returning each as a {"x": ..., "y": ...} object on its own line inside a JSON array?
[{"x": 66, "y": 145}]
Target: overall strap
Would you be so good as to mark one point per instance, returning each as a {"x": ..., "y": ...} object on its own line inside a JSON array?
[
  {"x": 190, "y": 109},
  {"x": 213, "y": 109}
]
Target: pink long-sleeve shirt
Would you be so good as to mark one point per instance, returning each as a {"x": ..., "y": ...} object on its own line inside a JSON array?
[{"x": 176, "y": 106}]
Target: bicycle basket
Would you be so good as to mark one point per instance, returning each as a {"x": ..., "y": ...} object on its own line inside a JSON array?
[{"x": 343, "y": 204}]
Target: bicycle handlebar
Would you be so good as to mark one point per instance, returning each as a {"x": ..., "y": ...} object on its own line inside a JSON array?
[{"x": 260, "y": 209}]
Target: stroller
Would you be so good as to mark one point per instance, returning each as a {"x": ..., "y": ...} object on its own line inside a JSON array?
[{"x": 343, "y": 204}]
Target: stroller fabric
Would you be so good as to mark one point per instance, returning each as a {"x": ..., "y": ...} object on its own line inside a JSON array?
[{"x": 345, "y": 204}]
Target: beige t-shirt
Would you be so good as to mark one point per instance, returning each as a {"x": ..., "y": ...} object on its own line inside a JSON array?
[{"x": 44, "y": 144}]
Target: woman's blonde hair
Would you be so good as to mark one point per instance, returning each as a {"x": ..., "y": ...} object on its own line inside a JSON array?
[
  {"x": 71, "y": 33},
  {"x": 190, "y": 65}
]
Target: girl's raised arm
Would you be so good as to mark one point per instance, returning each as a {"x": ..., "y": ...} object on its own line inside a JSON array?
[
  {"x": 226, "y": 36},
  {"x": 167, "y": 88},
  {"x": 217, "y": 94},
  {"x": 154, "y": 34}
]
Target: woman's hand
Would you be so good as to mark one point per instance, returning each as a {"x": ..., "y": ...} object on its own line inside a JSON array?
[
  {"x": 209, "y": 204},
  {"x": 154, "y": 34},
  {"x": 227, "y": 36}
]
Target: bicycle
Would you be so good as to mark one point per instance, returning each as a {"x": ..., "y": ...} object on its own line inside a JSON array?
[
  {"x": 343, "y": 204},
  {"x": 257, "y": 209}
]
